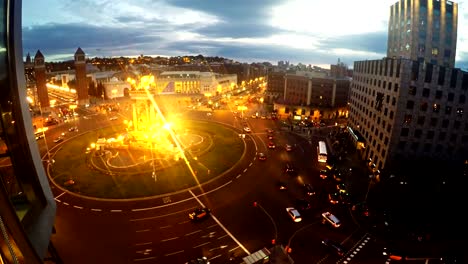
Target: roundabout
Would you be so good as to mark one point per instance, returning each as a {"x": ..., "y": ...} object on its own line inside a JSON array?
[{"x": 107, "y": 163}]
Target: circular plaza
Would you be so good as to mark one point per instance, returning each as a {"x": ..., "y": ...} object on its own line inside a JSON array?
[{"x": 111, "y": 163}]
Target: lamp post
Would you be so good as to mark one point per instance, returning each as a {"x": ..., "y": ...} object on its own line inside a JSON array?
[{"x": 256, "y": 204}]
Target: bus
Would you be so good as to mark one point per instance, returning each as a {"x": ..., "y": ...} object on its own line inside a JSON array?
[{"x": 322, "y": 151}]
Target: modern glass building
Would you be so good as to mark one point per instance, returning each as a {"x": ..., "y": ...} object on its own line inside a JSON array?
[
  {"x": 27, "y": 205},
  {"x": 423, "y": 30}
]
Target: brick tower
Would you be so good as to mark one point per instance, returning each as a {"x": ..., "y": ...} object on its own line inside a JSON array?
[
  {"x": 40, "y": 73},
  {"x": 80, "y": 75}
]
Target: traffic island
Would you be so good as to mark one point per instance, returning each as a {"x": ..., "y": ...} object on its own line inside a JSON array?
[{"x": 103, "y": 164}]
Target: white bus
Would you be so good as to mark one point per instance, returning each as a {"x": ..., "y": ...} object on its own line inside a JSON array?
[{"x": 322, "y": 151}]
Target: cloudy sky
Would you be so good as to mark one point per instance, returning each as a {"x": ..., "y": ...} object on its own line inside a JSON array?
[{"x": 317, "y": 32}]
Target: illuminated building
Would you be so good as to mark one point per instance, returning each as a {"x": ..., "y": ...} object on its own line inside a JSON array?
[{"x": 424, "y": 31}]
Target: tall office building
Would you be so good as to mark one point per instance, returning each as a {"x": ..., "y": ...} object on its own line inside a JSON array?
[
  {"x": 412, "y": 105},
  {"x": 423, "y": 30},
  {"x": 27, "y": 205}
]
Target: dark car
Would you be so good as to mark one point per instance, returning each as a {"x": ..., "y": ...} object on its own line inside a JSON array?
[
  {"x": 202, "y": 260},
  {"x": 281, "y": 185},
  {"x": 289, "y": 169},
  {"x": 199, "y": 214},
  {"x": 303, "y": 205},
  {"x": 334, "y": 246},
  {"x": 309, "y": 189}
]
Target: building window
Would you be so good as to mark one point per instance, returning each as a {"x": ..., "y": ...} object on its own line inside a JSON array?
[
  {"x": 426, "y": 92},
  {"x": 462, "y": 99},
  {"x": 417, "y": 133},
  {"x": 404, "y": 132},
  {"x": 456, "y": 124},
  {"x": 434, "y": 121},
  {"x": 448, "y": 110},
  {"x": 460, "y": 112},
  {"x": 423, "y": 106},
  {"x": 445, "y": 123},
  {"x": 421, "y": 120},
  {"x": 412, "y": 90},
  {"x": 442, "y": 135},
  {"x": 436, "y": 108},
  {"x": 409, "y": 104},
  {"x": 450, "y": 97},
  {"x": 427, "y": 147},
  {"x": 453, "y": 138},
  {"x": 438, "y": 94},
  {"x": 407, "y": 121},
  {"x": 453, "y": 78},
  {"x": 435, "y": 50},
  {"x": 438, "y": 148},
  {"x": 447, "y": 53},
  {"x": 430, "y": 134},
  {"x": 414, "y": 146}
]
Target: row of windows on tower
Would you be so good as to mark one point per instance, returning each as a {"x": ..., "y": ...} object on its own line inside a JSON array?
[{"x": 436, "y": 108}]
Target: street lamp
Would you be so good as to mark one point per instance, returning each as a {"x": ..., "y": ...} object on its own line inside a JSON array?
[{"x": 256, "y": 204}]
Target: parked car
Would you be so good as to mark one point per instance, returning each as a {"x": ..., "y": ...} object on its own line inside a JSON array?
[
  {"x": 288, "y": 147},
  {"x": 334, "y": 246},
  {"x": 199, "y": 214},
  {"x": 247, "y": 129},
  {"x": 294, "y": 214}
]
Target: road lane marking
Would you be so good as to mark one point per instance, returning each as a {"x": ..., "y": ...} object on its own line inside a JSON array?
[
  {"x": 232, "y": 249},
  {"x": 212, "y": 226},
  {"x": 237, "y": 177},
  {"x": 57, "y": 200},
  {"x": 58, "y": 196},
  {"x": 251, "y": 163},
  {"x": 221, "y": 237},
  {"x": 143, "y": 244},
  {"x": 66, "y": 203},
  {"x": 143, "y": 230},
  {"x": 173, "y": 253},
  {"x": 194, "y": 232},
  {"x": 221, "y": 225},
  {"x": 78, "y": 207},
  {"x": 169, "y": 239},
  {"x": 183, "y": 222},
  {"x": 96, "y": 210},
  {"x": 201, "y": 245},
  {"x": 177, "y": 202},
  {"x": 116, "y": 210},
  {"x": 141, "y": 259},
  {"x": 245, "y": 170},
  {"x": 159, "y": 216},
  {"x": 215, "y": 257},
  {"x": 165, "y": 226}
]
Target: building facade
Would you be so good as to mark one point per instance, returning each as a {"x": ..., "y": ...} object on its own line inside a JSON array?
[
  {"x": 404, "y": 109},
  {"x": 81, "y": 80},
  {"x": 40, "y": 76},
  {"x": 27, "y": 204},
  {"x": 195, "y": 82},
  {"x": 423, "y": 30}
]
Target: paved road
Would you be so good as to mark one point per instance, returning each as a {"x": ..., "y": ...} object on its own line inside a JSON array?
[{"x": 158, "y": 231}]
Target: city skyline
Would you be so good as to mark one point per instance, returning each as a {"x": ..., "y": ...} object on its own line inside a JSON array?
[{"x": 244, "y": 31}]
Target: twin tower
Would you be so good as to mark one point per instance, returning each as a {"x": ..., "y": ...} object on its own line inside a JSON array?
[{"x": 41, "y": 79}]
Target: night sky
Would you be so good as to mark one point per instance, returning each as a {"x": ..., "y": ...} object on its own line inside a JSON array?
[{"x": 315, "y": 32}]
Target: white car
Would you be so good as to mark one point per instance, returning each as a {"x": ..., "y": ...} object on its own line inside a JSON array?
[
  {"x": 294, "y": 214},
  {"x": 331, "y": 218},
  {"x": 247, "y": 129},
  {"x": 288, "y": 147},
  {"x": 113, "y": 118}
]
